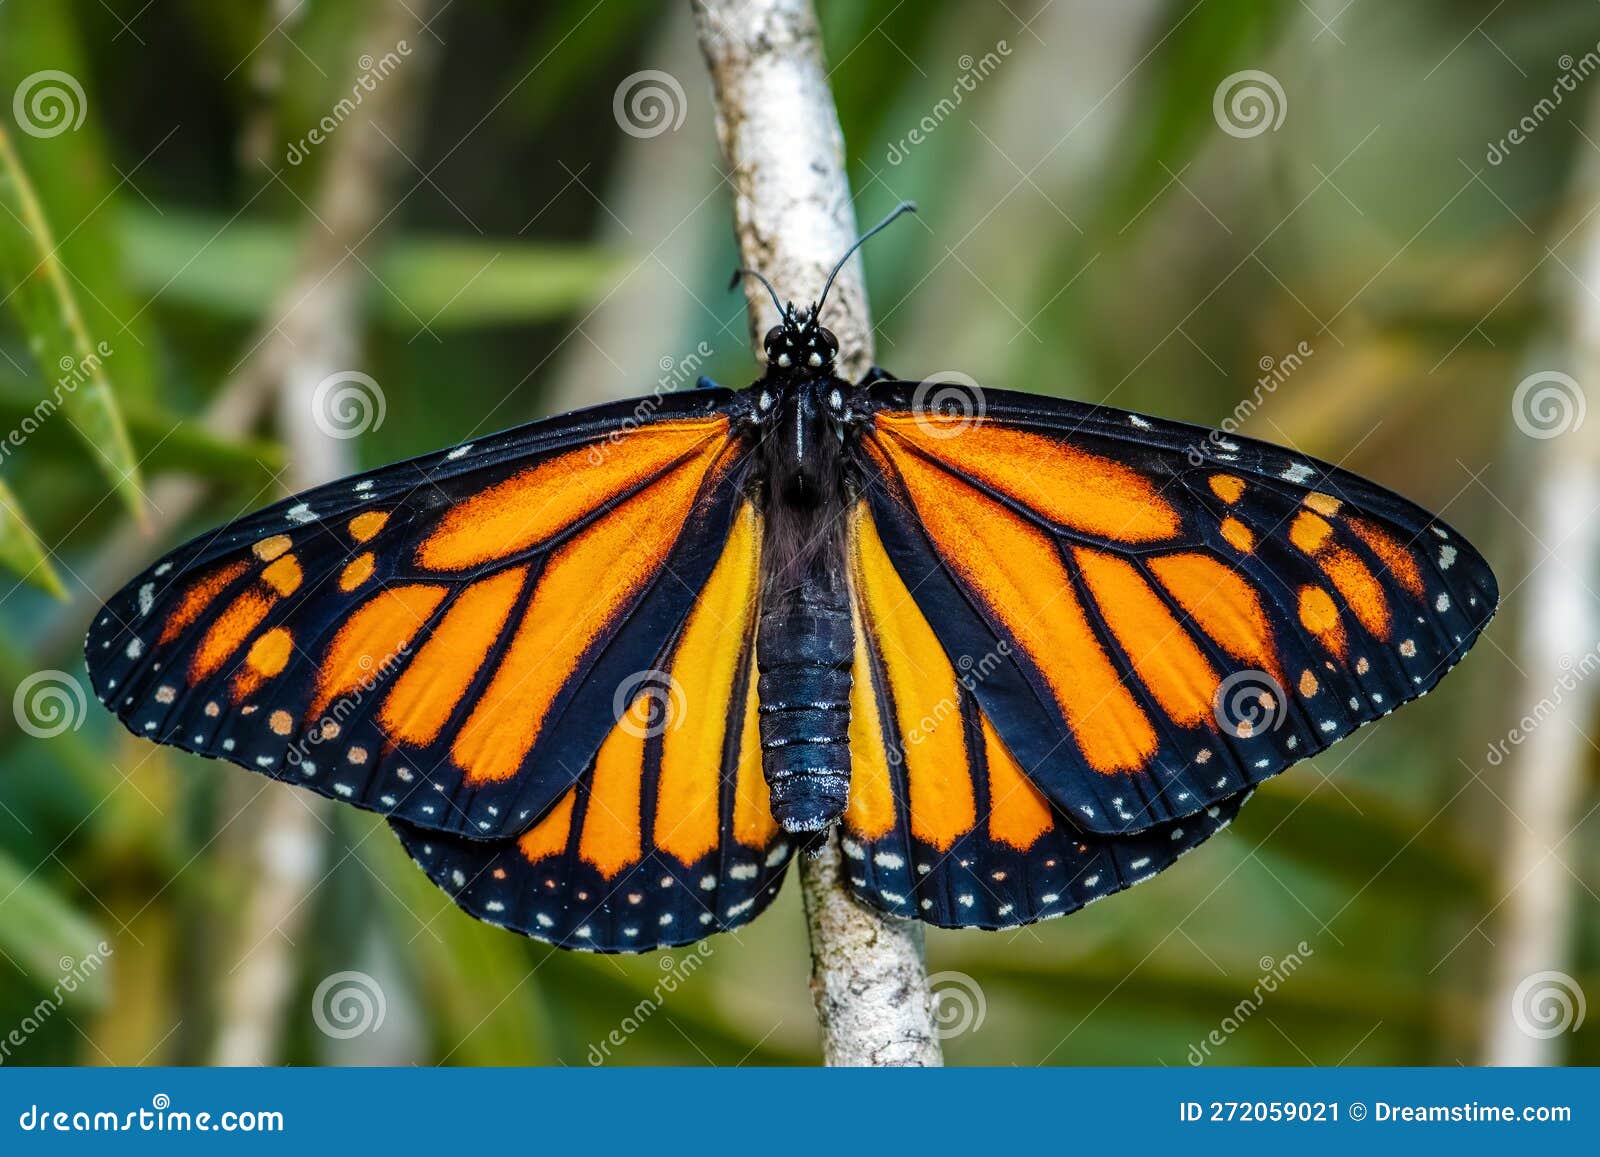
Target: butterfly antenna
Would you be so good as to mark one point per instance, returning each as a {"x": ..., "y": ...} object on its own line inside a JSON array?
[
  {"x": 742, "y": 272},
  {"x": 902, "y": 207}
]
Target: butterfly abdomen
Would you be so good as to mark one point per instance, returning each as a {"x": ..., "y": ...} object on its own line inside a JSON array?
[{"x": 803, "y": 651}]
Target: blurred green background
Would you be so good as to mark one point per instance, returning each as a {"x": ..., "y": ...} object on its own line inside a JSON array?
[{"x": 491, "y": 240}]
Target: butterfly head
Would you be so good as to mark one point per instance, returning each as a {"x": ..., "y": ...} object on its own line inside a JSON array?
[{"x": 799, "y": 343}]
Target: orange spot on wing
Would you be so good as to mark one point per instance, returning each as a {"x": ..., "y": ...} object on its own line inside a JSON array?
[
  {"x": 1226, "y": 487},
  {"x": 1017, "y": 573},
  {"x": 357, "y": 571},
  {"x": 376, "y": 634},
  {"x": 613, "y": 822},
  {"x": 200, "y": 596},
  {"x": 753, "y": 825},
  {"x": 1069, "y": 486},
  {"x": 1400, "y": 562},
  {"x": 870, "y": 812},
  {"x": 283, "y": 575},
  {"x": 366, "y": 524},
  {"x": 1162, "y": 652},
  {"x": 229, "y": 632},
  {"x": 926, "y": 700},
  {"x": 425, "y": 695},
  {"x": 267, "y": 657},
  {"x": 1222, "y": 604},
  {"x": 1018, "y": 813},
  {"x": 534, "y": 506},
  {"x": 1324, "y": 504},
  {"x": 1238, "y": 535},
  {"x": 704, "y": 667},
  {"x": 548, "y": 837},
  {"x": 1320, "y": 616},
  {"x": 1309, "y": 532},
  {"x": 1360, "y": 589},
  {"x": 586, "y": 585},
  {"x": 268, "y": 549}
]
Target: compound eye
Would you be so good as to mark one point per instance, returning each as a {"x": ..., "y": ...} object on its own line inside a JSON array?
[
  {"x": 829, "y": 341},
  {"x": 773, "y": 339}
]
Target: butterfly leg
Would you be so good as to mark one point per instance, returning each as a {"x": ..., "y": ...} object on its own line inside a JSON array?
[
  {"x": 875, "y": 375},
  {"x": 705, "y": 383}
]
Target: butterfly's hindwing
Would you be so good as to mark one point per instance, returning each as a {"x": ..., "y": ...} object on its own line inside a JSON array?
[
  {"x": 668, "y": 835},
  {"x": 943, "y": 823}
]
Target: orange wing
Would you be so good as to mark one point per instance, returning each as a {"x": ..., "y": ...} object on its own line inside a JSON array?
[
  {"x": 667, "y": 835},
  {"x": 1164, "y": 616},
  {"x": 943, "y": 823},
  {"x": 441, "y": 640}
]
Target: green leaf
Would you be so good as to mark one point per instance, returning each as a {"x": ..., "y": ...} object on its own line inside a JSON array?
[
  {"x": 236, "y": 270},
  {"x": 44, "y": 303},
  {"x": 58, "y": 950},
  {"x": 21, "y": 551}
]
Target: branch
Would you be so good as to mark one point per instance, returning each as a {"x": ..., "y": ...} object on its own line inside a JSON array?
[{"x": 792, "y": 212}]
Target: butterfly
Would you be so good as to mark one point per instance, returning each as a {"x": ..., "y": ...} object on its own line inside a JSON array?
[{"x": 606, "y": 674}]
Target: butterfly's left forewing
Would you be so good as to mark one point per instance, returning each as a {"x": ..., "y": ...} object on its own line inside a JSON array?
[
  {"x": 441, "y": 640},
  {"x": 667, "y": 835}
]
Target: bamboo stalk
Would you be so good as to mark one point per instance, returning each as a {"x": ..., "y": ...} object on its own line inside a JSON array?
[{"x": 792, "y": 212}]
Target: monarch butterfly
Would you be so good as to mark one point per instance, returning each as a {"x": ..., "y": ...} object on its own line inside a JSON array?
[{"x": 604, "y": 674}]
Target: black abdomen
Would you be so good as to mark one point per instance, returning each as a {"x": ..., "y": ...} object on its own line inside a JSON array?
[{"x": 804, "y": 648}]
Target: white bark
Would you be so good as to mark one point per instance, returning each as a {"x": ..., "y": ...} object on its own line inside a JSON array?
[{"x": 780, "y": 135}]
